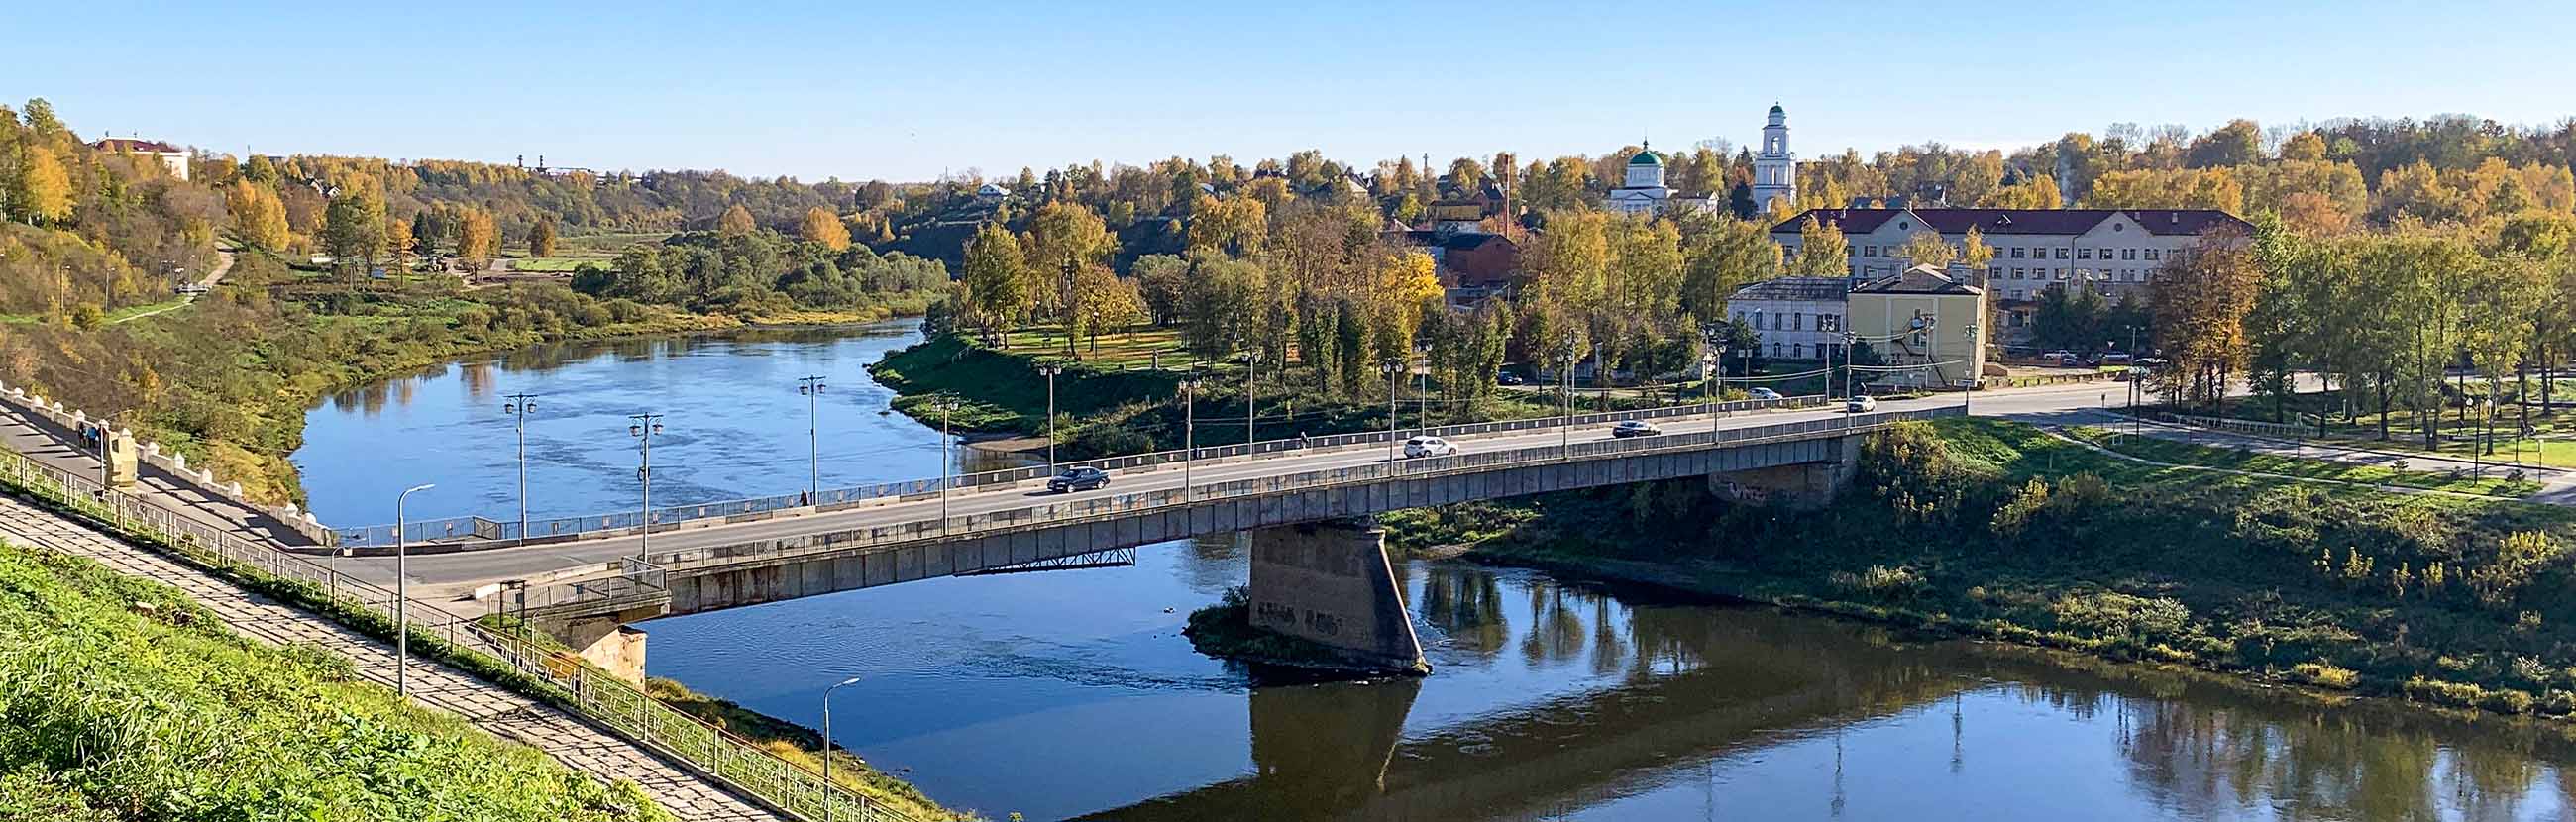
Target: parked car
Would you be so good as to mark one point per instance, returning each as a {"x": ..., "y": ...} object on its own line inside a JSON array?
[
  {"x": 2115, "y": 358},
  {"x": 1429, "y": 447},
  {"x": 1083, "y": 478},
  {"x": 1635, "y": 428},
  {"x": 1506, "y": 378},
  {"x": 1859, "y": 405},
  {"x": 2059, "y": 357},
  {"x": 1764, "y": 394}
]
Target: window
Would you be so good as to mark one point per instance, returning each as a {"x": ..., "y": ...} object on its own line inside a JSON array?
[
  {"x": 1994, "y": 272},
  {"x": 2061, "y": 274},
  {"x": 2018, "y": 294},
  {"x": 2128, "y": 254},
  {"x": 1851, "y": 251},
  {"x": 2016, "y": 252},
  {"x": 1798, "y": 351},
  {"x": 1828, "y": 322},
  {"x": 1872, "y": 250},
  {"x": 2084, "y": 254},
  {"x": 1776, "y": 348},
  {"x": 2017, "y": 273},
  {"x": 2151, "y": 255},
  {"x": 1797, "y": 322},
  {"x": 2061, "y": 252}
]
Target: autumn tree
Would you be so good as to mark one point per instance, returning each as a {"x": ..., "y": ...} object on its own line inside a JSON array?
[
  {"x": 42, "y": 192},
  {"x": 822, "y": 226},
  {"x": 2200, "y": 304},
  {"x": 735, "y": 222},
  {"x": 1161, "y": 280},
  {"x": 257, "y": 216},
  {"x": 1926, "y": 247},
  {"x": 1734, "y": 254},
  {"x": 478, "y": 239},
  {"x": 353, "y": 229},
  {"x": 1101, "y": 301},
  {"x": 1822, "y": 251}
]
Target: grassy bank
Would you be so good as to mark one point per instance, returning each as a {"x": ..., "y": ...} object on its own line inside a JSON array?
[
  {"x": 126, "y": 700},
  {"x": 2505, "y": 484},
  {"x": 1993, "y": 529},
  {"x": 803, "y": 746}
]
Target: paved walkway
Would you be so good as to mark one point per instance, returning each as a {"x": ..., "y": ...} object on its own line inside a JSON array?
[{"x": 576, "y": 744}]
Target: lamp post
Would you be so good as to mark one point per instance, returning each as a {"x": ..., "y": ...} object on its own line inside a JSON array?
[
  {"x": 1393, "y": 368},
  {"x": 642, "y": 429},
  {"x": 1565, "y": 428},
  {"x": 1969, "y": 332},
  {"x": 827, "y": 744},
  {"x": 1050, "y": 370},
  {"x": 1189, "y": 431},
  {"x": 812, "y": 388},
  {"x": 1251, "y": 401},
  {"x": 1851, "y": 340},
  {"x": 947, "y": 468},
  {"x": 402, "y": 596},
  {"x": 520, "y": 406},
  {"x": 1707, "y": 368}
]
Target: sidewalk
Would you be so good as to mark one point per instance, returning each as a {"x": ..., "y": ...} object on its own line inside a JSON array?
[
  {"x": 569, "y": 740},
  {"x": 36, "y": 439}
]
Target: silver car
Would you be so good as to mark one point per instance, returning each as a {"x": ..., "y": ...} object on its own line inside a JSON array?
[{"x": 1428, "y": 446}]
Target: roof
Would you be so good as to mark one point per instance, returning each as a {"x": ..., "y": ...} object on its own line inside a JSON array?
[
  {"x": 136, "y": 146},
  {"x": 1828, "y": 289},
  {"x": 1472, "y": 240},
  {"x": 1646, "y": 158},
  {"x": 990, "y": 188},
  {"x": 2000, "y": 221},
  {"x": 1921, "y": 279},
  {"x": 1775, "y": 109}
]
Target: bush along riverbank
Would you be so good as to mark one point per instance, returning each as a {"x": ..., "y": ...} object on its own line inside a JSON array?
[
  {"x": 126, "y": 700},
  {"x": 1993, "y": 529}
]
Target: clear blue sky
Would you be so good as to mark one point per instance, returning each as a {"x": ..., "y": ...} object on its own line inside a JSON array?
[{"x": 906, "y": 90}]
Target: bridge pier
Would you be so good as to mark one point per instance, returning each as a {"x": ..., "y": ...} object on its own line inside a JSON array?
[
  {"x": 1330, "y": 583},
  {"x": 1803, "y": 486},
  {"x": 606, "y": 640}
]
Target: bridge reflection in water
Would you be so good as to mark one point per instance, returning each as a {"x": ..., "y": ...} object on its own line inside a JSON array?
[{"x": 1732, "y": 700}]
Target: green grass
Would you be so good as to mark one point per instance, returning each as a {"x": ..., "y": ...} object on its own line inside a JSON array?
[
  {"x": 606, "y": 245},
  {"x": 1994, "y": 529},
  {"x": 1142, "y": 348},
  {"x": 556, "y": 265},
  {"x": 126, "y": 700},
  {"x": 2184, "y": 453}
]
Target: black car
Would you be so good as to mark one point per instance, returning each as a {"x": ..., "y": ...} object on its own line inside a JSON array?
[
  {"x": 1635, "y": 428},
  {"x": 1078, "y": 479},
  {"x": 1507, "y": 378}
]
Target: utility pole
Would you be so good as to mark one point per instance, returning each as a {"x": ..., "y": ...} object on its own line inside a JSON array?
[
  {"x": 1189, "y": 432},
  {"x": 520, "y": 406},
  {"x": 812, "y": 388},
  {"x": 1251, "y": 402},
  {"x": 1050, "y": 370},
  {"x": 947, "y": 469},
  {"x": 1394, "y": 369},
  {"x": 642, "y": 429}
]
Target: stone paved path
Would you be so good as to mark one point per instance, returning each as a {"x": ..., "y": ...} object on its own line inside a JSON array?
[{"x": 576, "y": 744}]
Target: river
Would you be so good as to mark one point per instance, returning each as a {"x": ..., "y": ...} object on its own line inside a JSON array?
[{"x": 1071, "y": 694}]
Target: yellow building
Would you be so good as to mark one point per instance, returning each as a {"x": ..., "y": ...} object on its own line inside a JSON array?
[{"x": 1923, "y": 317}]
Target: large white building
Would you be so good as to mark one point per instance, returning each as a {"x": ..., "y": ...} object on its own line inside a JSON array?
[
  {"x": 172, "y": 158},
  {"x": 1643, "y": 191},
  {"x": 1796, "y": 318},
  {"x": 1775, "y": 169}
]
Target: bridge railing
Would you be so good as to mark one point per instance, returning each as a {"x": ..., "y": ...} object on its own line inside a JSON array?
[
  {"x": 603, "y": 699},
  {"x": 477, "y": 528},
  {"x": 1123, "y": 504}
]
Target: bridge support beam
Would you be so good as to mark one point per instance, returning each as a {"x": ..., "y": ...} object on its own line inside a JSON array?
[
  {"x": 1330, "y": 583},
  {"x": 1802, "y": 486},
  {"x": 606, "y": 641}
]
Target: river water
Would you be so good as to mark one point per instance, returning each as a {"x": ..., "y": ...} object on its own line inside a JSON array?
[{"x": 1071, "y": 694}]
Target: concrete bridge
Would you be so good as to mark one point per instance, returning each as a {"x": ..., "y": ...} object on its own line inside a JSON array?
[{"x": 1326, "y": 583}]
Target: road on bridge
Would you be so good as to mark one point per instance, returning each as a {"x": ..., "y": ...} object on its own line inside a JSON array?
[{"x": 455, "y": 573}]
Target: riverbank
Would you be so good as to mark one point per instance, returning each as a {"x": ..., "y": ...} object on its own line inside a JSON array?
[{"x": 1994, "y": 530}]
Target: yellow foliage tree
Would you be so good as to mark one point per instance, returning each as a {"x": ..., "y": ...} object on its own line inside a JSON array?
[
  {"x": 44, "y": 188},
  {"x": 735, "y": 222},
  {"x": 258, "y": 216},
  {"x": 822, "y": 226}
]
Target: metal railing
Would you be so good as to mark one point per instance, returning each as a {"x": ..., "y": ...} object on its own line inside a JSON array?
[
  {"x": 612, "y": 703},
  {"x": 566, "y": 598},
  {"x": 477, "y": 528}
]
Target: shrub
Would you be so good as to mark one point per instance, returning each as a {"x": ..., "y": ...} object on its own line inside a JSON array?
[
  {"x": 2016, "y": 512},
  {"x": 1880, "y": 582},
  {"x": 2325, "y": 675},
  {"x": 2116, "y": 615}
]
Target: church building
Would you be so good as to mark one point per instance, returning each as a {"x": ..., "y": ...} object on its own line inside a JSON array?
[
  {"x": 1775, "y": 177},
  {"x": 1643, "y": 192},
  {"x": 1775, "y": 170}
]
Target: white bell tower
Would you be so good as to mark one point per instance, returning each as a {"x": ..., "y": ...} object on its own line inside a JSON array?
[{"x": 1775, "y": 169}]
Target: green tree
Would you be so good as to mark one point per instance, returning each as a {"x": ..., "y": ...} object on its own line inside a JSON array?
[
  {"x": 541, "y": 237},
  {"x": 997, "y": 282},
  {"x": 1162, "y": 279},
  {"x": 1737, "y": 253}
]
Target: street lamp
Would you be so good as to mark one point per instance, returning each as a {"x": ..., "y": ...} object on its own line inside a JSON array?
[
  {"x": 1050, "y": 370},
  {"x": 1251, "y": 402},
  {"x": 1851, "y": 340},
  {"x": 812, "y": 388},
  {"x": 1393, "y": 368},
  {"x": 1707, "y": 362},
  {"x": 827, "y": 744},
  {"x": 947, "y": 469},
  {"x": 1189, "y": 431},
  {"x": 642, "y": 429},
  {"x": 1565, "y": 427},
  {"x": 520, "y": 406},
  {"x": 402, "y": 595},
  {"x": 1969, "y": 332}
]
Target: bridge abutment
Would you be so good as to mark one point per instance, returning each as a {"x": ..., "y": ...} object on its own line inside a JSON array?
[
  {"x": 1801, "y": 486},
  {"x": 606, "y": 641},
  {"x": 1330, "y": 583}
]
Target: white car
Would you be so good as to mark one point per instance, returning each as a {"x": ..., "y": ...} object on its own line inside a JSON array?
[
  {"x": 1429, "y": 447},
  {"x": 1859, "y": 405},
  {"x": 1764, "y": 394}
]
